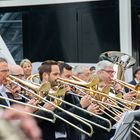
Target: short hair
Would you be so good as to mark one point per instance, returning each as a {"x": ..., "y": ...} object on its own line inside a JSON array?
[
  {"x": 64, "y": 65},
  {"x": 135, "y": 72},
  {"x": 25, "y": 61},
  {"x": 46, "y": 67},
  {"x": 78, "y": 69},
  {"x": 103, "y": 64},
  {"x": 13, "y": 68},
  {"x": 50, "y": 62},
  {"x": 3, "y": 60},
  {"x": 92, "y": 68}
]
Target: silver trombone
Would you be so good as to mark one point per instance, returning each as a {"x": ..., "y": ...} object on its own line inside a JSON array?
[{"x": 29, "y": 105}]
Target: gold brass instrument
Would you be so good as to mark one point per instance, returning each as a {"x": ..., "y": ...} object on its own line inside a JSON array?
[
  {"x": 71, "y": 114},
  {"x": 60, "y": 93},
  {"x": 101, "y": 103},
  {"x": 113, "y": 98},
  {"x": 94, "y": 82},
  {"x": 102, "y": 93},
  {"x": 29, "y": 105},
  {"x": 61, "y": 100},
  {"x": 128, "y": 108},
  {"x": 82, "y": 83},
  {"x": 136, "y": 101},
  {"x": 76, "y": 78},
  {"x": 34, "y": 79},
  {"x": 129, "y": 86},
  {"x": 121, "y": 62},
  {"x": 34, "y": 90},
  {"x": 105, "y": 91},
  {"x": 76, "y": 81},
  {"x": 80, "y": 86},
  {"x": 106, "y": 120},
  {"x": 38, "y": 89}
]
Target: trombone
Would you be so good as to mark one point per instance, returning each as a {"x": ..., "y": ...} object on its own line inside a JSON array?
[
  {"x": 133, "y": 88},
  {"x": 29, "y": 105},
  {"x": 80, "y": 82},
  {"x": 130, "y": 86},
  {"x": 70, "y": 82},
  {"x": 43, "y": 88},
  {"x": 82, "y": 85},
  {"x": 61, "y": 92},
  {"x": 34, "y": 79}
]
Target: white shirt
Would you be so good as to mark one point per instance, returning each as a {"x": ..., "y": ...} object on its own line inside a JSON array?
[{"x": 3, "y": 93}]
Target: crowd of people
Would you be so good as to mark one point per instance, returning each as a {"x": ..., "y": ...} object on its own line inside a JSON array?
[{"x": 86, "y": 98}]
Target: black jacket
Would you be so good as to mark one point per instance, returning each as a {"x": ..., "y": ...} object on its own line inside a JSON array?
[
  {"x": 48, "y": 128},
  {"x": 3, "y": 101}
]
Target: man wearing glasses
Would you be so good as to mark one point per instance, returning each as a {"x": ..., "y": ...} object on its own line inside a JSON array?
[
  {"x": 14, "y": 91},
  {"x": 105, "y": 71},
  {"x": 4, "y": 70}
]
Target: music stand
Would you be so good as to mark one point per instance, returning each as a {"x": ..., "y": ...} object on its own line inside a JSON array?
[{"x": 124, "y": 126}]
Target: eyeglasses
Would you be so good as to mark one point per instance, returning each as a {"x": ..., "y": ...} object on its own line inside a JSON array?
[
  {"x": 109, "y": 71},
  {"x": 4, "y": 70}
]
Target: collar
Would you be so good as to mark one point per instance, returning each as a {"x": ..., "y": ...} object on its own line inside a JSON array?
[{"x": 137, "y": 81}]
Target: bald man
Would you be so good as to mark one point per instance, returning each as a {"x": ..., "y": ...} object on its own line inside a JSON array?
[{"x": 17, "y": 71}]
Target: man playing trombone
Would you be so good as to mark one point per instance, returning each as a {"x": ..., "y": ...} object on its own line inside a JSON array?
[
  {"x": 4, "y": 70},
  {"x": 49, "y": 71}
]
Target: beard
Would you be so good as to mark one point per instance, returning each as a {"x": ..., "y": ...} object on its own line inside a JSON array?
[{"x": 54, "y": 83}]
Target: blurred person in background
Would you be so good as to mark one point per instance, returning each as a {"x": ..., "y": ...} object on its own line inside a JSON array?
[
  {"x": 27, "y": 67},
  {"x": 82, "y": 72}
]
